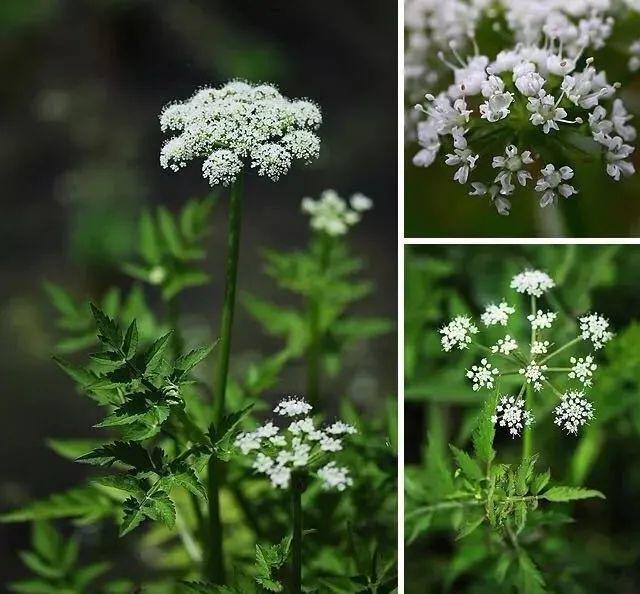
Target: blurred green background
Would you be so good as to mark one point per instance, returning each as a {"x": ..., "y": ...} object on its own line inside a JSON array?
[
  {"x": 83, "y": 84},
  {"x": 601, "y": 551}
]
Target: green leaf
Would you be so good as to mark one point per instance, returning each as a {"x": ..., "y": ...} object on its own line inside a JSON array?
[
  {"x": 149, "y": 245},
  {"x": 130, "y": 344},
  {"x": 169, "y": 232},
  {"x": 570, "y": 494},
  {"x": 122, "y": 482},
  {"x": 202, "y": 588},
  {"x": 156, "y": 505},
  {"x": 128, "y": 452},
  {"x": 87, "y": 504},
  {"x": 540, "y": 481},
  {"x": 467, "y": 464},
  {"x": 187, "y": 479},
  {"x": 79, "y": 374},
  {"x": 188, "y": 361},
  {"x": 531, "y": 579},
  {"x": 469, "y": 525},
  {"x": 484, "y": 432},
  {"x": 155, "y": 350},
  {"x": 108, "y": 329}
]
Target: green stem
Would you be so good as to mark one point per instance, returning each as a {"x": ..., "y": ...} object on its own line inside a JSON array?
[
  {"x": 215, "y": 569},
  {"x": 297, "y": 488},
  {"x": 562, "y": 348}
]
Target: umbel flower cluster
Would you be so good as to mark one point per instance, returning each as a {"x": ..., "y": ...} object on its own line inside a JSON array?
[
  {"x": 533, "y": 362},
  {"x": 277, "y": 451},
  {"x": 520, "y": 118},
  {"x": 332, "y": 214},
  {"x": 238, "y": 124}
]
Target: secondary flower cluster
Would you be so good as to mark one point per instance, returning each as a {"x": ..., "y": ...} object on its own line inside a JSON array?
[
  {"x": 332, "y": 214},
  {"x": 236, "y": 124},
  {"x": 530, "y": 361},
  {"x": 516, "y": 112},
  {"x": 278, "y": 452}
]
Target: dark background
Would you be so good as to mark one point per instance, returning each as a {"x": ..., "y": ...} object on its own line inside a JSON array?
[{"x": 83, "y": 84}]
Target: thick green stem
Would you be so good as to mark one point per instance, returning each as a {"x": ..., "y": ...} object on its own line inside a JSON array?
[
  {"x": 215, "y": 569},
  {"x": 297, "y": 488}
]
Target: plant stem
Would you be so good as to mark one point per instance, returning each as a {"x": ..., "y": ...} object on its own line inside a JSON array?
[
  {"x": 297, "y": 488},
  {"x": 215, "y": 570},
  {"x": 562, "y": 348}
]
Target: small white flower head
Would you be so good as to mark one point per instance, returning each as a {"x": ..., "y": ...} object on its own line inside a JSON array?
[
  {"x": 482, "y": 375},
  {"x": 573, "y": 412},
  {"x": 595, "y": 328},
  {"x": 496, "y": 107},
  {"x": 292, "y": 407},
  {"x": 497, "y": 314},
  {"x": 534, "y": 374},
  {"x": 634, "y": 52},
  {"x": 551, "y": 184},
  {"x": 530, "y": 84},
  {"x": 239, "y": 124},
  {"x": 540, "y": 347},
  {"x": 462, "y": 157},
  {"x": 300, "y": 447},
  {"x": 510, "y": 413},
  {"x": 512, "y": 164},
  {"x": 332, "y": 215},
  {"x": 334, "y": 477},
  {"x": 457, "y": 333},
  {"x": 505, "y": 346},
  {"x": 582, "y": 369},
  {"x": 542, "y": 319},
  {"x": 532, "y": 282},
  {"x": 340, "y": 428}
]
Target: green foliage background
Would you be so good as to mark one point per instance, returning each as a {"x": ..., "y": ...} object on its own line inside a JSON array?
[{"x": 600, "y": 551}]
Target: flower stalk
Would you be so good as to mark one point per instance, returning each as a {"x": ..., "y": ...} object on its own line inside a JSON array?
[
  {"x": 215, "y": 567},
  {"x": 298, "y": 484}
]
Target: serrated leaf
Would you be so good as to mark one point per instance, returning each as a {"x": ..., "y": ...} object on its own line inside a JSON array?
[
  {"x": 484, "y": 432},
  {"x": 540, "y": 481},
  {"x": 122, "y": 482},
  {"x": 467, "y": 464},
  {"x": 130, "y": 344},
  {"x": 108, "y": 329},
  {"x": 469, "y": 525},
  {"x": 128, "y": 452},
  {"x": 560, "y": 494},
  {"x": 531, "y": 579},
  {"x": 155, "y": 350},
  {"x": 187, "y": 362}
]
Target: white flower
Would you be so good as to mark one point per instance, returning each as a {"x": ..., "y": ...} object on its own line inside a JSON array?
[
  {"x": 510, "y": 413},
  {"x": 262, "y": 463},
  {"x": 457, "y": 333},
  {"x": 573, "y": 412},
  {"x": 266, "y": 431},
  {"x": 359, "y": 202},
  {"x": 534, "y": 374},
  {"x": 551, "y": 184},
  {"x": 445, "y": 115},
  {"x": 502, "y": 204},
  {"x": 616, "y": 155},
  {"x": 530, "y": 84},
  {"x": 462, "y": 157},
  {"x": 280, "y": 476},
  {"x": 532, "y": 282},
  {"x": 546, "y": 113},
  {"x": 542, "y": 319},
  {"x": 340, "y": 428},
  {"x": 496, "y": 107},
  {"x": 512, "y": 163},
  {"x": 497, "y": 314},
  {"x": 292, "y": 407},
  {"x": 304, "y": 425},
  {"x": 429, "y": 141},
  {"x": 229, "y": 125},
  {"x": 582, "y": 369},
  {"x": 620, "y": 118},
  {"x": 540, "y": 347},
  {"x": 595, "y": 328},
  {"x": 330, "y": 444},
  {"x": 505, "y": 346},
  {"x": 330, "y": 214},
  {"x": 247, "y": 442},
  {"x": 559, "y": 66},
  {"x": 334, "y": 477},
  {"x": 482, "y": 375},
  {"x": 634, "y": 60}
]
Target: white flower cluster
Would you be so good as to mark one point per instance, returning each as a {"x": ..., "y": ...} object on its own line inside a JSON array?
[
  {"x": 510, "y": 413},
  {"x": 532, "y": 369},
  {"x": 236, "y": 124},
  {"x": 523, "y": 96},
  {"x": 332, "y": 215},
  {"x": 457, "y": 333},
  {"x": 300, "y": 446}
]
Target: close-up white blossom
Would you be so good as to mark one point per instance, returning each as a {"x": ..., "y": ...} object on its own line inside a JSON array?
[
  {"x": 300, "y": 446},
  {"x": 511, "y": 414},
  {"x": 573, "y": 412},
  {"x": 533, "y": 361},
  {"x": 333, "y": 215},
  {"x": 240, "y": 125},
  {"x": 543, "y": 94}
]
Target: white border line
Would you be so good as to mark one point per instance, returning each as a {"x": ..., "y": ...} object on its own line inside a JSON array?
[{"x": 521, "y": 241}]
